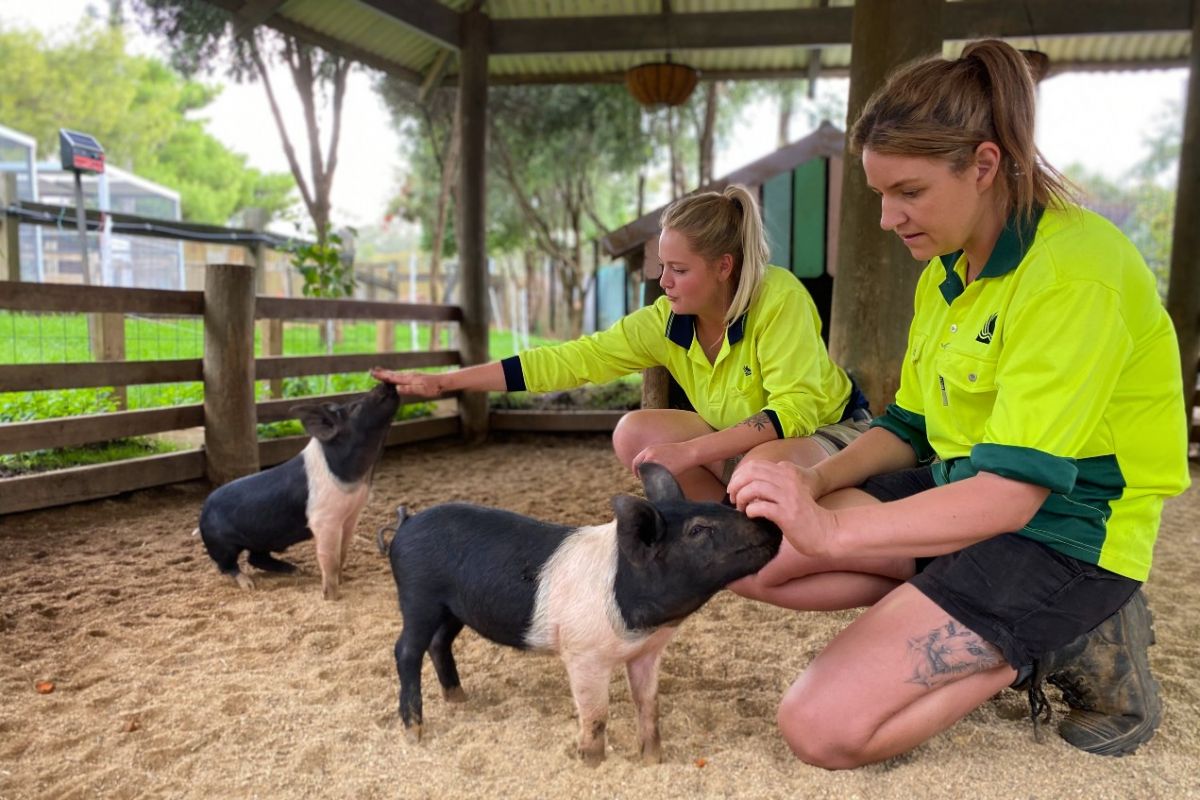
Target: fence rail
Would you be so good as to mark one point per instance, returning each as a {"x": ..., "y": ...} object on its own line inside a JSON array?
[{"x": 219, "y": 370}]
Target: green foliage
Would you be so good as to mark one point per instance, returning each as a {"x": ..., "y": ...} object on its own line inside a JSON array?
[
  {"x": 30, "y": 406},
  {"x": 326, "y": 273},
  {"x": 138, "y": 108},
  {"x": 97, "y": 453}
]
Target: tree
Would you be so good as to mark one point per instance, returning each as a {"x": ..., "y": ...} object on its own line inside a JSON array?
[
  {"x": 138, "y": 108},
  {"x": 202, "y": 36},
  {"x": 564, "y": 153}
]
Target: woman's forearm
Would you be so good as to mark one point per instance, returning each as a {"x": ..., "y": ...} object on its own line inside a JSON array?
[
  {"x": 875, "y": 452},
  {"x": 480, "y": 378},
  {"x": 937, "y": 521}
]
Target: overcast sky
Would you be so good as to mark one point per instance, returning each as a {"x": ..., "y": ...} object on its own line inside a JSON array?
[{"x": 1097, "y": 119}]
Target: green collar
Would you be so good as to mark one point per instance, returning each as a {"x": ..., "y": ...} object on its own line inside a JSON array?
[{"x": 1013, "y": 243}]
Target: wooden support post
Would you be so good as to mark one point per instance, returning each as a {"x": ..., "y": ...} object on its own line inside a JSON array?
[
  {"x": 655, "y": 380},
  {"x": 256, "y": 220},
  {"x": 10, "y": 231},
  {"x": 472, "y": 102},
  {"x": 876, "y": 275},
  {"x": 271, "y": 332},
  {"x": 110, "y": 346},
  {"x": 385, "y": 336},
  {"x": 230, "y": 436},
  {"x": 1183, "y": 291}
]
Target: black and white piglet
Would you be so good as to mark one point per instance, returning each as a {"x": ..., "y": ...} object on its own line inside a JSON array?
[
  {"x": 599, "y": 596},
  {"x": 319, "y": 493}
]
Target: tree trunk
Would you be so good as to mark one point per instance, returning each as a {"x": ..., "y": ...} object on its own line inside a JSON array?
[
  {"x": 449, "y": 172},
  {"x": 708, "y": 134},
  {"x": 786, "y": 106},
  {"x": 870, "y": 316}
]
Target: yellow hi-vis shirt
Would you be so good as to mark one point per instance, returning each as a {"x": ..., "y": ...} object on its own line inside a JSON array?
[
  {"x": 1057, "y": 366},
  {"x": 772, "y": 360}
]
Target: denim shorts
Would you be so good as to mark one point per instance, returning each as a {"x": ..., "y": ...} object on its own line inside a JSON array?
[{"x": 1025, "y": 598}]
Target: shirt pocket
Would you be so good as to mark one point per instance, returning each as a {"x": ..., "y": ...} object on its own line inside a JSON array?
[{"x": 968, "y": 386}]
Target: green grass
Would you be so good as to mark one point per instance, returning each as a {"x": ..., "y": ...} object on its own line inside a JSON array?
[{"x": 97, "y": 453}]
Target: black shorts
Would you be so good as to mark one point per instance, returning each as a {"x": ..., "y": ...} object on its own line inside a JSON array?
[{"x": 1025, "y": 598}]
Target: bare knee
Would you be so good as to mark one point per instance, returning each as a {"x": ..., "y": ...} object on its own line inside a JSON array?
[
  {"x": 630, "y": 436},
  {"x": 816, "y": 734}
]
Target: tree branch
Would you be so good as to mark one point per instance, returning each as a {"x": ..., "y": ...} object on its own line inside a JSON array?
[{"x": 288, "y": 150}]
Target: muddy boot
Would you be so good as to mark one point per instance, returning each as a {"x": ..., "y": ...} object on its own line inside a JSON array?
[{"x": 1105, "y": 678}]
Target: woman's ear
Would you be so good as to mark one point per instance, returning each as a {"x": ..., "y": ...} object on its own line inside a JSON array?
[
  {"x": 725, "y": 266},
  {"x": 987, "y": 165}
]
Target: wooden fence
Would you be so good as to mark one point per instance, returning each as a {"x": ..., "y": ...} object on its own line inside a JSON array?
[{"x": 228, "y": 372}]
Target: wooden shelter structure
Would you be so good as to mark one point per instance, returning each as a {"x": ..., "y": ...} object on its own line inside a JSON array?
[{"x": 478, "y": 44}]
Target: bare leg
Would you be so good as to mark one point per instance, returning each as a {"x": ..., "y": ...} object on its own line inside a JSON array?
[
  {"x": 899, "y": 674},
  {"x": 637, "y": 430}
]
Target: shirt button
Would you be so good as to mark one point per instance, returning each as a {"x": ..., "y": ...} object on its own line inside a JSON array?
[
  {"x": 954, "y": 329},
  {"x": 972, "y": 377}
]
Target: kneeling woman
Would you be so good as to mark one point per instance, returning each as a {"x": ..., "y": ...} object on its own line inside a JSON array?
[{"x": 740, "y": 337}]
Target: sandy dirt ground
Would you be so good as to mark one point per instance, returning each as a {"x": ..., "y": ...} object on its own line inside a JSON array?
[{"x": 170, "y": 682}]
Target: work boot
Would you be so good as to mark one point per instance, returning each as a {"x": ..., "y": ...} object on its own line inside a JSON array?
[{"x": 1105, "y": 678}]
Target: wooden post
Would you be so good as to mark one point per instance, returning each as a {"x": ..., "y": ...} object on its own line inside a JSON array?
[
  {"x": 385, "y": 336},
  {"x": 655, "y": 380},
  {"x": 876, "y": 275},
  {"x": 272, "y": 345},
  {"x": 10, "y": 230},
  {"x": 1183, "y": 291},
  {"x": 230, "y": 436},
  {"x": 472, "y": 102},
  {"x": 256, "y": 220},
  {"x": 110, "y": 346}
]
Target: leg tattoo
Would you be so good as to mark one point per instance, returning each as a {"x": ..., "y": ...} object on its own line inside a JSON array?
[{"x": 948, "y": 653}]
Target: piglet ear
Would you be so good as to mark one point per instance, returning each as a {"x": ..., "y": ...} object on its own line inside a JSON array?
[
  {"x": 639, "y": 528},
  {"x": 320, "y": 421},
  {"x": 660, "y": 484}
]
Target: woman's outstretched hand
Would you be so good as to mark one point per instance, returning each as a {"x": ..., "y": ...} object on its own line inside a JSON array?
[
  {"x": 418, "y": 384},
  {"x": 785, "y": 494}
]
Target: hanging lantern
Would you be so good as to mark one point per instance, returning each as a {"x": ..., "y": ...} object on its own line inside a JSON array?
[
  {"x": 1038, "y": 63},
  {"x": 661, "y": 83}
]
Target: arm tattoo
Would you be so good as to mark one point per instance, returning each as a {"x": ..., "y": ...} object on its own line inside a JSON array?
[
  {"x": 949, "y": 653},
  {"x": 760, "y": 421}
]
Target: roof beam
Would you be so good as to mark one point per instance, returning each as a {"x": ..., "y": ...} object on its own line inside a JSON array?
[
  {"x": 430, "y": 19},
  {"x": 326, "y": 43},
  {"x": 820, "y": 26},
  {"x": 823, "y": 27},
  {"x": 254, "y": 13}
]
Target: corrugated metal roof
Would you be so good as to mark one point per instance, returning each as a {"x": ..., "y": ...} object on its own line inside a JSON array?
[{"x": 406, "y": 50}]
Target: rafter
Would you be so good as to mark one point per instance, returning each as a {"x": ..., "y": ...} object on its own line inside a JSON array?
[
  {"x": 822, "y": 27},
  {"x": 430, "y": 19},
  {"x": 254, "y": 13}
]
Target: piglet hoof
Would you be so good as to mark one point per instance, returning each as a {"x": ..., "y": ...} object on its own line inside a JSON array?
[
  {"x": 413, "y": 733},
  {"x": 652, "y": 753},
  {"x": 330, "y": 591},
  {"x": 592, "y": 756},
  {"x": 244, "y": 581},
  {"x": 454, "y": 694}
]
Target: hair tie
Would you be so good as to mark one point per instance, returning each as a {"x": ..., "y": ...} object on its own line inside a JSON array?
[{"x": 736, "y": 204}]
